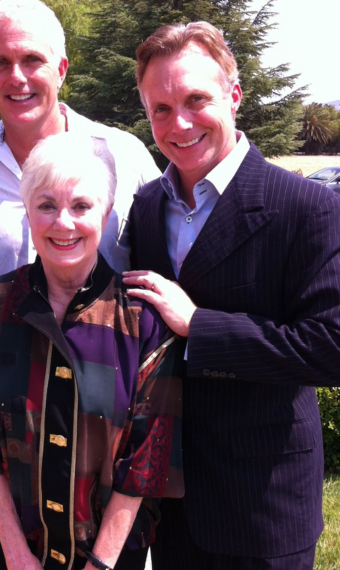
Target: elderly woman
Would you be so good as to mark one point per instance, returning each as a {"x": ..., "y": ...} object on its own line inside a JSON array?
[{"x": 89, "y": 398}]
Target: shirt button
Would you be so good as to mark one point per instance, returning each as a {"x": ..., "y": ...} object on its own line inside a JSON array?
[
  {"x": 231, "y": 375},
  {"x": 214, "y": 374},
  {"x": 188, "y": 219},
  {"x": 222, "y": 374},
  {"x": 206, "y": 372}
]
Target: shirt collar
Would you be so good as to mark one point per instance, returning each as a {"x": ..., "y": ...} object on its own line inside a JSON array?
[
  {"x": 220, "y": 176},
  {"x": 170, "y": 181},
  {"x": 225, "y": 171},
  {"x": 97, "y": 281},
  {"x": 6, "y": 155}
]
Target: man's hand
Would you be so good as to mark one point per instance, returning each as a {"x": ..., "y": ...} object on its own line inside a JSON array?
[{"x": 173, "y": 304}]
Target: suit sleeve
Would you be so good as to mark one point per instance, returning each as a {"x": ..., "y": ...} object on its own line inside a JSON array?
[{"x": 306, "y": 350}]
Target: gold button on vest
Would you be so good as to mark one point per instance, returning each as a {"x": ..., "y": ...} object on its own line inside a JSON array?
[
  {"x": 63, "y": 372},
  {"x": 58, "y": 556},
  {"x": 55, "y": 506},
  {"x": 58, "y": 440}
]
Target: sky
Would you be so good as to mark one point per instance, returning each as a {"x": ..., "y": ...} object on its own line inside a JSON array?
[{"x": 308, "y": 38}]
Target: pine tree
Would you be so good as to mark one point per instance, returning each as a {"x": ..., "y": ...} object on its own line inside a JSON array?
[
  {"x": 73, "y": 16},
  {"x": 104, "y": 87}
]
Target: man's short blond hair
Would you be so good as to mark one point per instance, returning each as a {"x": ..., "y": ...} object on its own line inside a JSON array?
[{"x": 169, "y": 40}]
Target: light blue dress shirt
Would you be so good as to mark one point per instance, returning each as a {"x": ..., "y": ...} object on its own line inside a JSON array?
[{"x": 183, "y": 224}]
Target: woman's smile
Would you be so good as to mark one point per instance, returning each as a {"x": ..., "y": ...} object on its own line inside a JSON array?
[{"x": 69, "y": 243}]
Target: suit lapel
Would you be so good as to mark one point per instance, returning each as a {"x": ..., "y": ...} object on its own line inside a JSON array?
[
  {"x": 238, "y": 214},
  {"x": 152, "y": 230}
]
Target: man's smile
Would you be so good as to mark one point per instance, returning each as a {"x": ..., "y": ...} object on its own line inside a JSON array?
[
  {"x": 190, "y": 143},
  {"x": 22, "y": 97}
]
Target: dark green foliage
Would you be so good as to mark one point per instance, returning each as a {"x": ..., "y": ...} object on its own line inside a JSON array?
[
  {"x": 103, "y": 85},
  {"x": 72, "y": 15},
  {"x": 320, "y": 129},
  {"x": 329, "y": 404},
  {"x": 316, "y": 131}
]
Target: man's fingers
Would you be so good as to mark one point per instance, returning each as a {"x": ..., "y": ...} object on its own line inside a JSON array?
[
  {"x": 138, "y": 274},
  {"x": 149, "y": 280}
]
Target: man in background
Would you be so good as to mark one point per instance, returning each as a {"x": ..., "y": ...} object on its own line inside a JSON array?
[
  {"x": 255, "y": 251},
  {"x": 33, "y": 66}
]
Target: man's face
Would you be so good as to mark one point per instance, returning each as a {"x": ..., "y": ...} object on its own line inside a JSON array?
[
  {"x": 191, "y": 112},
  {"x": 30, "y": 77}
]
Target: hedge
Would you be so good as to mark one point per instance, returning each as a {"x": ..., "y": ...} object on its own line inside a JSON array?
[{"x": 329, "y": 404}]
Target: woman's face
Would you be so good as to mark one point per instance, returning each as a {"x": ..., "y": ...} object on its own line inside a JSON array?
[{"x": 67, "y": 225}]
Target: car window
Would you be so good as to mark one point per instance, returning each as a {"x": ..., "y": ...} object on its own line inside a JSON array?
[{"x": 324, "y": 174}]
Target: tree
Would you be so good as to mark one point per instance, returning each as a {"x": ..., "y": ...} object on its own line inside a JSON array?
[
  {"x": 333, "y": 144},
  {"x": 316, "y": 128},
  {"x": 103, "y": 85},
  {"x": 269, "y": 115},
  {"x": 73, "y": 16}
]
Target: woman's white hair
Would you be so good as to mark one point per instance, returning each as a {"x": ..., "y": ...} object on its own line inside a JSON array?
[
  {"x": 36, "y": 12},
  {"x": 67, "y": 158}
]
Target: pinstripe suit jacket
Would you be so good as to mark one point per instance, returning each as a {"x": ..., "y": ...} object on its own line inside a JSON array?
[{"x": 264, "y": 272}]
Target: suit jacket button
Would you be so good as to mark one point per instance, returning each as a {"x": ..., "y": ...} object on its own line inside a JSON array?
[
  {"x": 222, "y": 374},
  {"x": 231, "y": 375},
  {"x": 214, "y": 374},
  {"x": 206, "y": 372}
]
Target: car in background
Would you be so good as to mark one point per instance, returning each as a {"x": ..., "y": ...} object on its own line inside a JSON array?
[{"x": 329, "y": 177}]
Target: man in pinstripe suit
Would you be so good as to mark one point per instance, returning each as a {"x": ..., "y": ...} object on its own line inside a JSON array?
[{"x": 255, "y": 251}]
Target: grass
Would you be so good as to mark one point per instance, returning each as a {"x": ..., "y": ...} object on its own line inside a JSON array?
[
  {"x": 328, "y": 548},
  {"x": 308, "y": 164}
]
